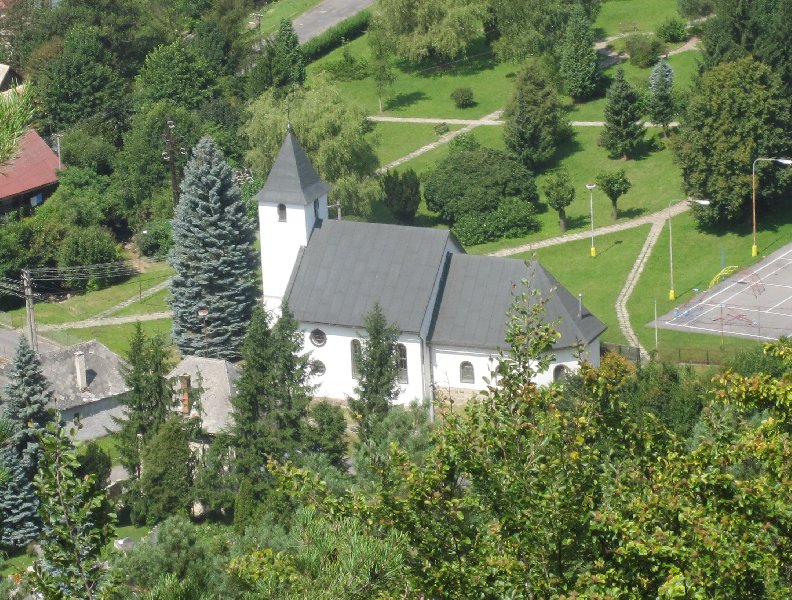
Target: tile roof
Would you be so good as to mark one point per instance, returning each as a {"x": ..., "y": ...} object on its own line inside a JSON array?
[
  {"x": 478, "y": 292},
  {"x": 217, "y": 380},
  {"x": 293, "y": 179},
  {"x": 348, "y": 266},
  {"x": 34, "y": 167}
]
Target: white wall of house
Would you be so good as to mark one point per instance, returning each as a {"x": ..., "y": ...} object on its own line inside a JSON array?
[
  {"x": 336, "y": 356},
  {"x": 280, "y": 243},
  {"x": 96, "y": 418}
]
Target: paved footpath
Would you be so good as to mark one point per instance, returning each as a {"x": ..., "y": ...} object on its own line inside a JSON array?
[{"x": 326, "y": 14}]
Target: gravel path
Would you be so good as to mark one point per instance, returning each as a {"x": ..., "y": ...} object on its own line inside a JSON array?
[
  {"x": 106, "y": 321},
  {"x": 142, "y": 296}
]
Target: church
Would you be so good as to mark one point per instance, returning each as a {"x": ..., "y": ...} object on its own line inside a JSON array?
[{"x": 449, "y": 307}]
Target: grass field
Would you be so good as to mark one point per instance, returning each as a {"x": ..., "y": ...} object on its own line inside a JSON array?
[
  {"x": 572, "y": 265},
  {"x": 84, "y": 306},
  {"x": 394, "y": 140},
  {"x": 115, "y": 337},
  {"x": 625, "y": 16},
  {"x": 153, "y": 304}
]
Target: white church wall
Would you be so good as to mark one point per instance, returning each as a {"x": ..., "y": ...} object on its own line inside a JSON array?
[
  {"x": 280, "y": 243},
  {"x": 336, "y": 355}
]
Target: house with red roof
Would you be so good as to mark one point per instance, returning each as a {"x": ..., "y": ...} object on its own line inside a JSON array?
[{"x": 30, "y": 178}]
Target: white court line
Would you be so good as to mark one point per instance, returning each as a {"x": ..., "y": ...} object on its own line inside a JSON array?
[{"x": 752, "y": 335}]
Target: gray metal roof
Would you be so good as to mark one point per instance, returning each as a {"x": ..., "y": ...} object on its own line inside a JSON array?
[
  {"x": 218, "y": 383},
  {"x": 104, "y": 371},
  {"x": 349, "y": 266},
  {"x": 478, "y": 292},
  {"x": 293, "y": 179}
]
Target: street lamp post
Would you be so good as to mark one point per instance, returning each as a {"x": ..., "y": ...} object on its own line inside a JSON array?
[
  {"x": 590, "y": 187},
  {"x": 672, "y": 291},
  {"x": 782, "y": 161}
]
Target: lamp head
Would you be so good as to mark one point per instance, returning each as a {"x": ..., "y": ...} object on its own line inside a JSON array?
[
  {"x": 591, "y": 186},
  {"x": 783, "y": 161},
  {"x": 703, "y": 202}
]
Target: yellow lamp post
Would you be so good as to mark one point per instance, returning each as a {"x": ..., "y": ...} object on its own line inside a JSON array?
[
  {"x": 782, "y": 161},
  {"x": 590, "y": 187}
]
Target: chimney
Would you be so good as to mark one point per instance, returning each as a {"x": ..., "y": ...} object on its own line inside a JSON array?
[
  {"x": 79, "y": 367},
  {"x": 184, "y": 385}
]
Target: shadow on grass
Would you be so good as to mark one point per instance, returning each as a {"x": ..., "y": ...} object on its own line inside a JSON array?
[
  {"x": 577, "y": 222},
  {"x": 427, "y": 220},
  {"x": 646, "y": 147},
  {"x": 478, "y": 58},
  {"x": 564, "y": 150},
  {"x": 631, "y": 213},
  {"x": 611, "y": 246},
  {"x": 403, "y": 100}
]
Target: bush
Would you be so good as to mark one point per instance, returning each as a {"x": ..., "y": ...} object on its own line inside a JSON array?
[
  {"x": 348, "y": 67},
  {"x": 87, "y": 246},
  {"x": 155, "y": 238},
  {"x": 672, "y": 30},
  {"x": 402, "y": 194},
  {"x": 462, "y": 97},
  {"x": 512, "y": 219},
  {"x": 644, "y": 50},
  {"x": 333, "y": 38}
]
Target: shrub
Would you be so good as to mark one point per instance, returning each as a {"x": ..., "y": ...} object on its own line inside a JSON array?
[
  {"x": 672, "y": 30},
  {"x": 155, "y": 238},
  {"x": 512, "y": 219},
  {"x": 402, "y": 194},
  {"x": 441, "y": 128},
  {"x": 87, "y": 246},
  {"x": 348, "y": 67},
  {"x": 333, "y": 38},
  {"x": 462, "y": 97},
  {"x": 644, "y": 50}
]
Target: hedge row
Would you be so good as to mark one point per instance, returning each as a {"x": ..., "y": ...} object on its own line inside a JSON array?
[{"x": 333, "y": 38}]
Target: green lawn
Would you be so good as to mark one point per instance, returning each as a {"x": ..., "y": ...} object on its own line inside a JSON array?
[
  {"x": 153, "y": 304},
  {"x": 115, "y": 337},
  {"x": 425, "y": 91},
  {"x": 283, "y": 9},
  {"x": 395, "y": 140},
  {"x": 697, "y": 259},
  {"x": 84, "y": 306},
  {"x": 625, "y": 16},
  {"x": 599, "y": 279}
]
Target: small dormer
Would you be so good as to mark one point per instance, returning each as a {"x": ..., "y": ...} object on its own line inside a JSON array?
[{"x": 291, "y": 204}]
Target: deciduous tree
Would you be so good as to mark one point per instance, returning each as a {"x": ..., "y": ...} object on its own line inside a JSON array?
[
  {"x": 614, "y": 184},
  {"x": 213, "y": 258},
  {"x": 559, "y": 193},
  {"x": 16, "y": 112},
  {"x": 623, "y": 131},
  {"x": 177, "y": 73}
]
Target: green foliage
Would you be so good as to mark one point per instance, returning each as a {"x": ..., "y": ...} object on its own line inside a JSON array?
[
  {"x": 737, "y": 113},
  {"x": 326, "y": 433},
  {"x": 465, "y": 142},
  {"x": 334, "y": 37},
  {"x": 156, "y": 238},
  {"x": 535, "y": 118},
  {"x": 94, "y": 462},
  {"x": 559, "y": 193},
  {"x": 402, "y": 194},
  {"x": 87, "y": 246},
  {"x": 477, "y": 182},
  {"x": 214, "y": 45},
  {"x": 244, "y": 507},
  {"x": 514, "y": 218},
  {"x": 614, "y": 185},
  {"x": 81, "y": 200},
  {"x": 176, "y": 73},
  {"x": 381, "y": 58},
  {"x": 213, "y": 258},
  {"x": 463, "y": 97},
  {"x": 77, "y": 524},
  {"x": 644, "y": 50},
  {"x": 148, "y": 403},
  {"x": 166, "y": 481},
  {"x": 331, "y": 130},
  {"x": 280, "y": 65},
  {"x": 19, "y": 520},
  {"x": 84, "y": 148},
  {"x": 694, "y": 9},
  {"x": 348, "y": 67},
  {"x": 378, "y": 373},
  {"x": 579, "y": 64},
  {"x": 623, "y": 131},
  {"x": 661, "y": 95},
  {"x": 672, "y": 30},
  {"x": 16, "y": 112}
]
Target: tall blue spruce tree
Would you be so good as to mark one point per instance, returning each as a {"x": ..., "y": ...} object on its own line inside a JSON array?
[
  {"x": 213, "y": 292},
  {"x": 24, "y": 410}
]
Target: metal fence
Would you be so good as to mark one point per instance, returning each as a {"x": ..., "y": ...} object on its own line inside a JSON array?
[{"x": 686, "y": 355}]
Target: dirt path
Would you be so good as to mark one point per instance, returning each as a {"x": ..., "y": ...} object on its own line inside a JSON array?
[
  {"x": 142, "y": 296},
  {"x": 88, "y": 323}
]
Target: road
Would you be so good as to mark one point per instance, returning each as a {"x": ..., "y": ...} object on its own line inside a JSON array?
[
  {"x": 9, "y": 340},
  {"x": 326, "y": 14}
]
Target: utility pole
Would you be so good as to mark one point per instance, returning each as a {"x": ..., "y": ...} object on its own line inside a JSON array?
[
  {"x": 30, "y": 317},
  {"x": 58, "y": 137},
  {"x": 170, "y": 156}
]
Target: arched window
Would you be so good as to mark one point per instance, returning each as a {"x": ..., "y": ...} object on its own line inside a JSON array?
[
  {"x": 318, "y": 337},
  {"x": 560, "y": 373},
  {"x": 355, "y": 351},
  {"x": 318, "y": 368},
  {"x": 466, "y": 373},
  {"x": 401, "y": 350},
  {"x": 282, "y": 213}
]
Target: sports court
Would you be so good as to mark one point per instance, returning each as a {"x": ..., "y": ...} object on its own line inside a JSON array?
[{"x": 754, "y": 303}]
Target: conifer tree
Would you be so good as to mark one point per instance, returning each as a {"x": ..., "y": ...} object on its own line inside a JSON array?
[
  {"x": 280, "y": 65},
  {"x": 579, "y": 66},
  {"x": 272, "y": 397},
  {"x": 378, "y": 373},
  {"x": 535, "y": 123},
  {"x": 213, "y": 257},
  {"x": 661, "y": 99},
  {"x": 19, "y": 521},
  {"x": 150, "y": 398},
  {"x": 623, "y": 131}
]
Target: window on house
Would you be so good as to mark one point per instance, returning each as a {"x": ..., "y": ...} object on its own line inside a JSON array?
[
  {"x": 282, "y": 213},
  {"x": 560, "y": 374},
  {"x": 356, "y": 350},
  {"x": 316, "y": 209},
  {"x": 318, "y": 337},
  {"x": 318, "y": 368},
  {"x": 466, "y": 373},
  {"x": 401, "y": 351}
]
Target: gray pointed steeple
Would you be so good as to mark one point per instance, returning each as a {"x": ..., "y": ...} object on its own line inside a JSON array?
[{"x": 292, "y": 179}]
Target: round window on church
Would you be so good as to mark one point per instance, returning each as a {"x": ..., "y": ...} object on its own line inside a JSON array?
[
  {"x": 318, "y": 368},
  {"x": 318, "y": 337}
]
